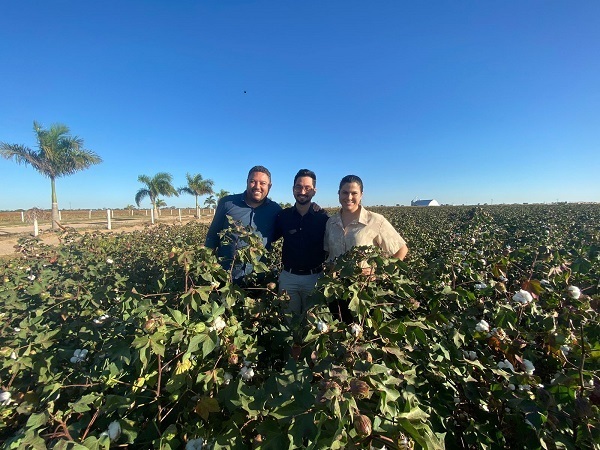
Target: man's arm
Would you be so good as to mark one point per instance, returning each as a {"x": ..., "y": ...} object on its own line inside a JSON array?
[{"x": 216, "y": 226}]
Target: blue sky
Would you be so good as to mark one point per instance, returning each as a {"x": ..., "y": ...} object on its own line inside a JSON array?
[{"x": 463, "y": 101}]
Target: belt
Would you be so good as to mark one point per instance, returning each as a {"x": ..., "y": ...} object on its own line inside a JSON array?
[{"x": 312, "y": 271}]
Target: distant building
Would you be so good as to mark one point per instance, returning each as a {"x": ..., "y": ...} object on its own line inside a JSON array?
[{"x": 431, "y": 202}]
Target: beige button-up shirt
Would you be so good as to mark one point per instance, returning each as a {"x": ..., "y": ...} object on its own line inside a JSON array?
[{"x": 370, "y": 229}]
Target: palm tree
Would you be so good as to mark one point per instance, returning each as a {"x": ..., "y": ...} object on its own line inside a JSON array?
[
  {"x": 160, "y": 203},
  {"x": 159, "y": 184},
  {"x": 210, "y": 201},
  {"x": 58, "y": 154},
  {"x": 222, "y": 193},
  {"x": 197, "y": 186}
]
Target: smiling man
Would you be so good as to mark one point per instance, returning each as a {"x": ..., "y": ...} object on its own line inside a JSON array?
[
  {"x": 250, "y": 208},
  {"x": 303, "y": 229}
]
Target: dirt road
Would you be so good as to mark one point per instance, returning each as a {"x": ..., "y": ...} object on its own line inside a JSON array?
[{"x": 10, "y": 235}]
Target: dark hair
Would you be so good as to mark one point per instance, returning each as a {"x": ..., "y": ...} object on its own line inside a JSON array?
[
  {"x": 306, "y": 173},
  {"x": 261, "y": 169},
  {"x": 352, "y": 179}
]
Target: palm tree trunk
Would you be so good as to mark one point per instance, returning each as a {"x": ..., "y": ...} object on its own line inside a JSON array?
[
  {"x": 197, "y": 210},
  {"x": 55, "y": 220}
]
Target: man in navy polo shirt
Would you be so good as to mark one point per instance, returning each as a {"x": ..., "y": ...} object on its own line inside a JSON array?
[
  {"x": 250, "y": 208},
  {"x": 303, "y": 230}
]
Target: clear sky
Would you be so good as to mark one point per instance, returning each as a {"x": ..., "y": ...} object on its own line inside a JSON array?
[{"x": 463, "y": 101}]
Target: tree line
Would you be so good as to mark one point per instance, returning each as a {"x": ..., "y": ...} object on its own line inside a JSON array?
[{"x": 60, "y": 154}]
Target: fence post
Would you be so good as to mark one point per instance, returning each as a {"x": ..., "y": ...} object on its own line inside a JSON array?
[
  {"x": 59, "y": 215},
  {"x": 90, "y": 214},
  {"x": 22, "y": 217},
  {"x": 36, "y": 229},
  {"x": 179, "y": 215},
  {"x": 108, "y": 214}
]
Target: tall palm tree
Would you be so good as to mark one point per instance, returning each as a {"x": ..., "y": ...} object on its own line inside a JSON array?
[
  {"x": 58, "y": 154},
  {"x": 197, "y": 186},
  {"x": 159, "y": 184},
  {"x": 222, "y": 193}
]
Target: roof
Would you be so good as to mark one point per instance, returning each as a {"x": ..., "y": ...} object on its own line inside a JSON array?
[{"x": 431, "y": 202}]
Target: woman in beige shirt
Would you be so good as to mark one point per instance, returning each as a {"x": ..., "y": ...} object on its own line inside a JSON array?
[{"x": 354, "y": 225}]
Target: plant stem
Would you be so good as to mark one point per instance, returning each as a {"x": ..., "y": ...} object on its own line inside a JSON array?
[{"x": 158, "y": 387}]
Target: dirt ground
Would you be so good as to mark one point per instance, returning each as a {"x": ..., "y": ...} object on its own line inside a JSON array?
[{"x": 10, "y": 234}]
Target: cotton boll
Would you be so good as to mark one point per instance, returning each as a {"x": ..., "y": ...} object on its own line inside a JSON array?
[
  {"x": 574, "y": 292},
  {"x": 482, "y": 326}
]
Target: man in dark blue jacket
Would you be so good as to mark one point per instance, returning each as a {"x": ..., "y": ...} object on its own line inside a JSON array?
[{"x": 250, "y": 208}]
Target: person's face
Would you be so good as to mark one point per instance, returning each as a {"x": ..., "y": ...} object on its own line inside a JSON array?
[
  {"x": 257, "y": 186},
  {"x": 350, "y": 196},
  {"x": 304, "y": 190}
]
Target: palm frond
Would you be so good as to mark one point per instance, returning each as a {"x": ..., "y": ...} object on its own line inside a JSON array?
[
  {"x": 186, "y": 190},
  {"x": 141, "y": 195}
]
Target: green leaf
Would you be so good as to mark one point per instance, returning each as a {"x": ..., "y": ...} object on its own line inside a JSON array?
[
  {"x": 209, "y": 344},
  {"x": 93, "y": 443},
  {"x": 83, "y": 404},
  {"x": 302, "y": 428},
  {"x": 178, "y": 316},
  {"x": 179, "y": 377},
  {"x": 206, "y": 405},
  {"x": 195, "y": 342},
  {"x": 273, "y": 436},
  {"x": 158, "y": 347},
  {"x": 38, "y": 420}
]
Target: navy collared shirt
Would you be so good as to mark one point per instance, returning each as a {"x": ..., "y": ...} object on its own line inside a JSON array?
[
  {"x": 260, "y": 219},
  {"x": 302, "y": 237}
]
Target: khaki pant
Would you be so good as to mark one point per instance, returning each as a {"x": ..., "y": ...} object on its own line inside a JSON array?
[{"x": 298, "y": 287}]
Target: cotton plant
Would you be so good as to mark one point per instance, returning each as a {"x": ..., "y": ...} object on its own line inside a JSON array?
[
  {"x": 528, "y": 367},
  {"x": 218, "y": 324},
  {"x": 247, "y": 370},
  {"x": 574, "y": 292},
  {"x": 470, "y": 355},
  {"x": 355, "y": 330},
  {"x": 194, "y": 444},
  {"x": 101, "y": 319},
  {"x": 113, "y": 432},
  {"x": 482, "y": 326},
  {"x": 5, "y": 398},
  {"x": 523, "y": 297},
  {"x": 227, "y": 377},
  {"x": 506, "y": 364},
  {"x": 498, "y": 333},
  {"x": 322, "y": 327},
  {"x": 247, "y": 373},
  {"x": 79, "y": 355}
]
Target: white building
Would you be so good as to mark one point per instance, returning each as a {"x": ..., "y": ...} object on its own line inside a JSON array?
[{"x": 431, "y": 202}]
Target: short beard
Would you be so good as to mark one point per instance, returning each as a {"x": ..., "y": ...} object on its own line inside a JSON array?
[{"x": 303, "y": 203}]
